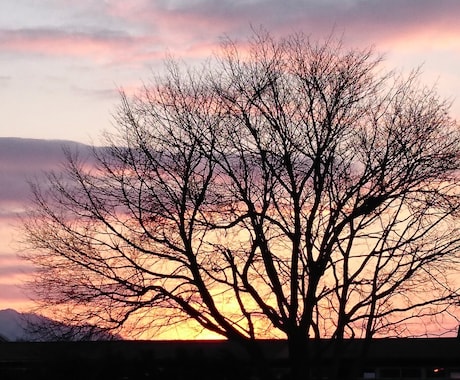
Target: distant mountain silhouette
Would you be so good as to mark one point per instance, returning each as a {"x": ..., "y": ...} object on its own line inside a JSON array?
[{"x": 29, "y": 327}]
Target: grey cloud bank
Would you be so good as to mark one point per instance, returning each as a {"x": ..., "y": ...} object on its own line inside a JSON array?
[{"x": 22, "y": 160}]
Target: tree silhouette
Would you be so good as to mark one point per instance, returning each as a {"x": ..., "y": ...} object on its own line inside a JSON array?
[{"x": 289, "y": 188}]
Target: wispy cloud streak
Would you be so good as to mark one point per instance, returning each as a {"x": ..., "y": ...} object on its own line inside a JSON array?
[
  {"x": 103, "y": 46},
  {"x": 152, "y": 27},
  {"x": 21, "y": 160}
]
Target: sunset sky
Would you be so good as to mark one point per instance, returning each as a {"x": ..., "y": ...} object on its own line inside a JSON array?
[{"x": 62, "y": 63}]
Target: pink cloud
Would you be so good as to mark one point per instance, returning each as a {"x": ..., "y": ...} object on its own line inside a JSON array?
[
  {"x": 10, "y": 292},
  {"x": 13, "y": 274},
  {"x": 404, "y": 24},
  {"x": 193, "y": 29},
  {"x": 20, "y": 159},
  {"x": 11, "y": 267},
  {"x": 366, "y": 20},
  {"x": 104, "y": 47}
]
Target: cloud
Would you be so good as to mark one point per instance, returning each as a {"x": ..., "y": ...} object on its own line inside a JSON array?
[
  {"x": 104, "y": 46},
  {"x": 34, "y": 153},
  {"x": 101, "y": 93},
  {"x": 25, "y": 159},
  {"x": 140, "y": 31},
  {"x": 200, "y": 20},
  {"x": 20, "y": 160},
  {"x": 11, "y": 292},
  {"x": 13, "y": 273},
  {"x": 192, "y": 29},
  {"x": 12, "y": 266}
]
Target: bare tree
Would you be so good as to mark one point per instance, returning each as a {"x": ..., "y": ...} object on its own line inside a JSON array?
[{"x": 289, "y": 189}]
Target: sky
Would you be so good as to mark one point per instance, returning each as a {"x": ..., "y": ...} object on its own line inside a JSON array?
[{"x": 63, "y": 62}]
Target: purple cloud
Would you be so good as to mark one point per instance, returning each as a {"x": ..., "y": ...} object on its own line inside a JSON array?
[
  {"x": 201, "y": 20},
  {"x": 22, "y": 160},
  {"x": 11, "y": 265}
]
